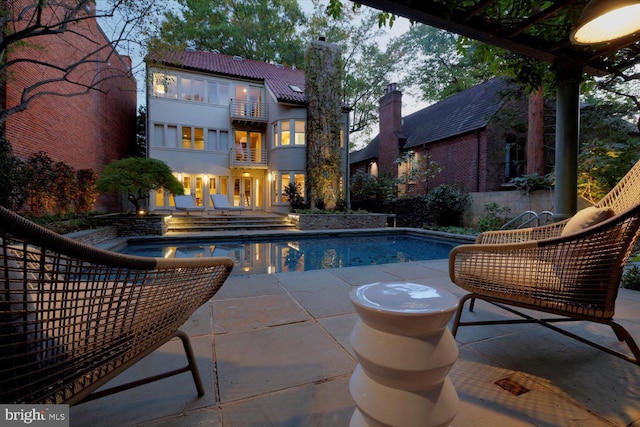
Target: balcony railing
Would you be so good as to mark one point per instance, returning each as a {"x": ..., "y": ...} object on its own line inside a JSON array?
[
  {"x": 248, "y": 157},
  {"x": 248, "y": 113}
]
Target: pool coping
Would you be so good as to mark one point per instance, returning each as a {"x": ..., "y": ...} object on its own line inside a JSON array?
[{"x": 240, "y": 235}]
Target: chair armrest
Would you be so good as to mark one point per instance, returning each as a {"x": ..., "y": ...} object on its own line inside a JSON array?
[{"x": 522, "y": 235}]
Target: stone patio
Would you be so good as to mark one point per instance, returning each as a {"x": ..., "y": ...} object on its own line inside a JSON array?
[{"x": 273, "y": 350}]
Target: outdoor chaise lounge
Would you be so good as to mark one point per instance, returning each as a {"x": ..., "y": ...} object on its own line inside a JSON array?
[
  {"x": 221, "y": 203},
  {"x": 72, "y": 316},
  {"x": 186, "y": 203},
  {"x": 570, "y": 269}
]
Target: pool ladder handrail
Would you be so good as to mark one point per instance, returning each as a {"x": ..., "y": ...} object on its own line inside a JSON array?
[{"x": 541, "y": 218}]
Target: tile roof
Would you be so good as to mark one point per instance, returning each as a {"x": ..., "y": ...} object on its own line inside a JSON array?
[
  {"x": 463, "y": 112},
  {"x": 279, "y": 78}
]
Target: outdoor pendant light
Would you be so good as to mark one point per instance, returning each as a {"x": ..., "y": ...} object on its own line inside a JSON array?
[{"x": 606, "y": 20}]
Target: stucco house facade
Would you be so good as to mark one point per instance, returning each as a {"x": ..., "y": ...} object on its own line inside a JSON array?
[
  {"x": 229, "y": 125},
  {"x": 477, "y": 148}
]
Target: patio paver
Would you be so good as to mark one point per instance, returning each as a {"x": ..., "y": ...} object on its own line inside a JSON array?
[{"x": 274, "y": 350}]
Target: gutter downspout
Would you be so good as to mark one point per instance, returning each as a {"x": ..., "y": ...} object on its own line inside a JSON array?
[{"x": 478, "y": 160}]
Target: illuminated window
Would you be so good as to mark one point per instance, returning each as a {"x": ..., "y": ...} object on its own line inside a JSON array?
[
  {"x": 186, "y": 137},
  {"x": 186, "y": 89},
  {"x": 165, "y": 85},
  {"x": 286, "y": 133},
  {"x": 299, "y": 129},
  {"x": 198, "y": 139},
  {"x": 192, "y": 138}
]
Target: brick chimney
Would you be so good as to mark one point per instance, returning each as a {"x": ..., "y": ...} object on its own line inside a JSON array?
[{"x": 390, "y": 112}]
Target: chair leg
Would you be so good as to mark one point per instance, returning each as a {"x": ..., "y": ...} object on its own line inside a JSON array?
[
  {"x": 192, "y": 366},
  {"x": 621, "y": 333},
  {"x": 456, "y": 321}
]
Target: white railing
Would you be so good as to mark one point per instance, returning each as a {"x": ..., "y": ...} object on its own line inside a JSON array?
[{"x": 240, "y": 156}]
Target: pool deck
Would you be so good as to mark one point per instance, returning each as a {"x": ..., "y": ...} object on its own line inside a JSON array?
[{"x": 273, "y": 350}]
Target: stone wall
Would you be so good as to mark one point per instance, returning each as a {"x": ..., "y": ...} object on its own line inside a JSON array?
[
  {"x": 136, "y": 225},
  {"x": 338, "y": 221},
  {"x": 95, "y": 236}
]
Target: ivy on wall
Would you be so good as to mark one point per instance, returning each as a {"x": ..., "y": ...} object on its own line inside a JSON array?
[{"x": 323, "y": 89}]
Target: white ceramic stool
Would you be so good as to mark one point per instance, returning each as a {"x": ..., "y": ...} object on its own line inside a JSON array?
[{"x": 405, "y": 352}]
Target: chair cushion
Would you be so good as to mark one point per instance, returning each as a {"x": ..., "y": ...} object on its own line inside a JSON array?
[
  {"x": 508, "y": 274},
  {"x": 586, "y": 218}
]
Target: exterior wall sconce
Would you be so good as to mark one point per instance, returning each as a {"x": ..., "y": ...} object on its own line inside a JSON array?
[{"x": 606, "y": 20}]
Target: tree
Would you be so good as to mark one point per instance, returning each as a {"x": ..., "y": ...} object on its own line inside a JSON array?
[
  {"x": 137, "y": 177},
  {"x": 264, "y": 30},
  {"x": 420, "y": 170},
  {"x": 441, "y": 64},
  {"x": 367, "y": 67},
  {"x": 27, "y": 24},
  {"x": 140, "y": 146}
]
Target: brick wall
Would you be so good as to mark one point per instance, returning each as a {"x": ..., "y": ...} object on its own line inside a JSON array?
[
  {"x": 84, "y": 131},
  {"x": 390, "y": 112}
]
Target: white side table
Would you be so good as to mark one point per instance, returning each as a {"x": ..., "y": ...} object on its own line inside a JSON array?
[{"x": 405, "y": 352}]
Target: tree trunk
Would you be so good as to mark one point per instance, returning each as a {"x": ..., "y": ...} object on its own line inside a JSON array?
[{"x": 535, "y": 134}]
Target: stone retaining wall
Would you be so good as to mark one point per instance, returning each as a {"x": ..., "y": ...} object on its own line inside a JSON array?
[
  {"x": 137, "y": 225},
  {"x": 338, "y": 221},
  {"x": 94, "y": 236}
]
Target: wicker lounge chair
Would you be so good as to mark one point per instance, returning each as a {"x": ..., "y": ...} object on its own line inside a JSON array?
[
  {"x": 73, "y": 316},
  {"x": 570, "y": 269}
]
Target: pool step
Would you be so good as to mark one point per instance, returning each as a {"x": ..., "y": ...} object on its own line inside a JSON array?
[{"x": 194, "y": 223}]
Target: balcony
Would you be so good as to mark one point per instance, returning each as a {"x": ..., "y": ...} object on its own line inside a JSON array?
[
  {"x": 244, "y": 157},
  {"x": 249, "y": 114}
]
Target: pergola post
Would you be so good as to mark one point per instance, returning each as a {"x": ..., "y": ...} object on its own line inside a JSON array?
[{"x": 568, "y": 78}]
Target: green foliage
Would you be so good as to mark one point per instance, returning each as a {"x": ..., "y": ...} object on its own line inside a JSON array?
[
  {"x": 493, "y": 217},
  {"x": 631, "y": 278},
  {"x": 607, "y": 149},
  {"x": 419, "y": 171},
  {"x": 264, "y": 30},
  {"x": 64, "y": 186},
  {"x": 446, "y": 205},
  {"x": 136, "y": 177},
  {"x": 409, "y": 211},
  {"x": 324, "y": 119},
  {"x": 69, "y": 222},
  {"x": 85, "y": 195},
  {"x": 292, "y": 192},
  {"x": 370, "y": 192},
  {"x": 442, "y": 64},
  {"x": 14, "y": 177},
  {"x": 41, "y": 182},
  {"x": 367, "y": 67},
  {"x": 139, "y": 148},
  {"x": 533, "y": 181}
]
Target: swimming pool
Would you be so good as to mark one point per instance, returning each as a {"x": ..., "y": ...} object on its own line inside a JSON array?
[{"x": 303, "y": 253}]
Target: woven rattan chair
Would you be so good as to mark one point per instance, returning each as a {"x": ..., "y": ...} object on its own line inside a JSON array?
[
  {"x": 570, "y": 269},
  {"x": 73, "y": 316}
]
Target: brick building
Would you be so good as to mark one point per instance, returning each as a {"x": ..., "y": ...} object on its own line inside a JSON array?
[
  {"x": 84, "y": 131},
  {"x": 478, "y": 146}
]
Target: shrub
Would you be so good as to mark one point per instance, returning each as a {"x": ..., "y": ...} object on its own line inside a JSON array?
[
  {"x": 292, "y": 191},
  {"x": 446, "y": 206},
  {"x": 85, "y": 195},
  {"x": 64, "y": 186},
  {"x": 370, "y": 192},
  {"x": 494, "y": 217},
  {"x": 14, "y": 177},
  {"x": 631, "y": 279}
]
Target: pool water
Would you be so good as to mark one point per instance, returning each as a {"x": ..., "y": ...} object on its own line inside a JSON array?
[{"x": 303, "y": 254}]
